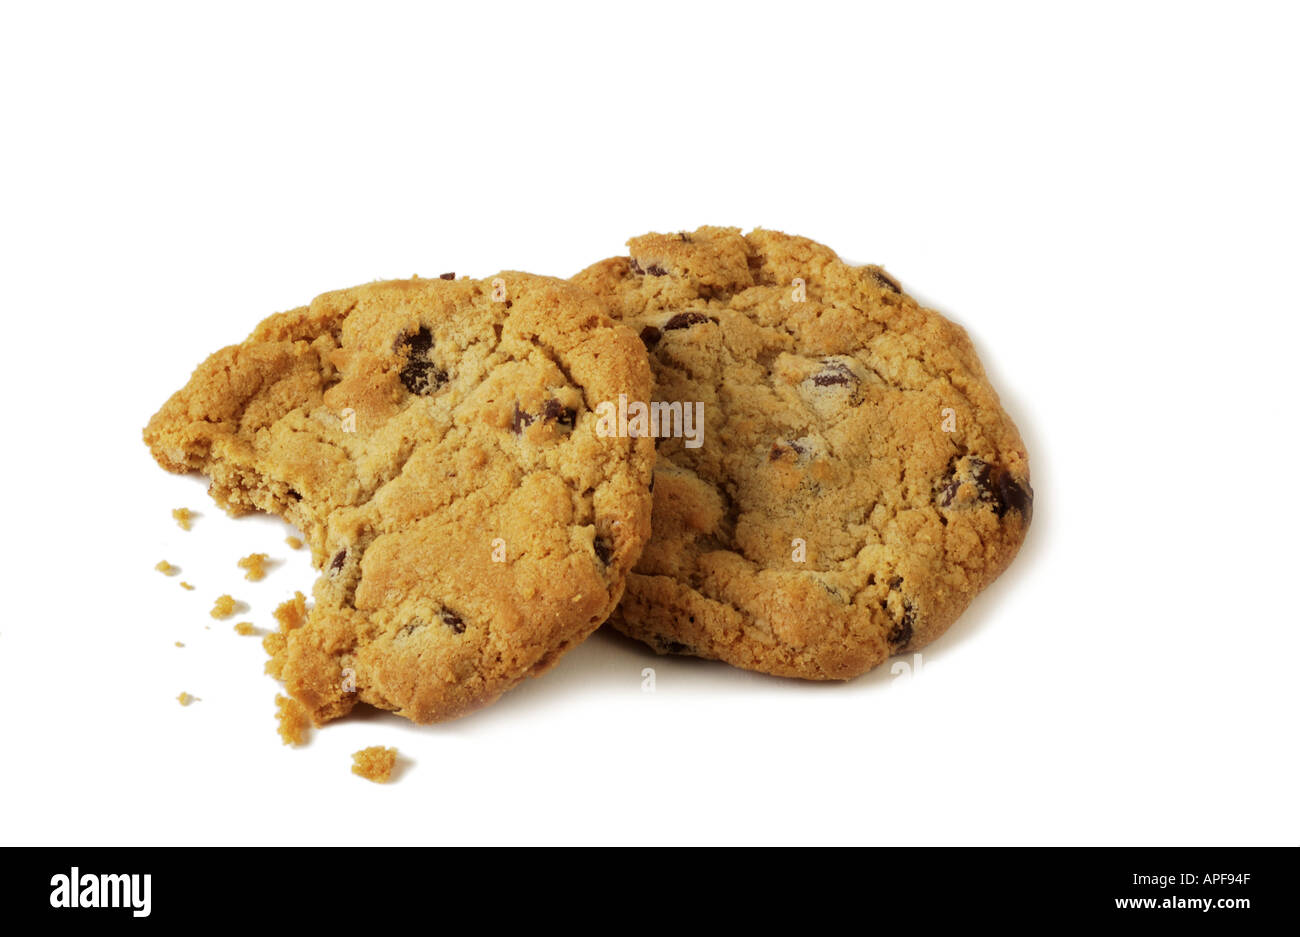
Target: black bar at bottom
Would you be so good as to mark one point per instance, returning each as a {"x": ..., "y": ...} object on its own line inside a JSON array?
[{"x": 341, "y": 887}]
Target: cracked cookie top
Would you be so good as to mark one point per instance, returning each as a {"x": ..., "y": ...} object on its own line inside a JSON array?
[
  {"x": 857, "y": 481},
  {"x": 435, "y": 440}
]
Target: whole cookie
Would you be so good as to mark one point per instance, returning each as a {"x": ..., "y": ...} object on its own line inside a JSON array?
[
  {"x": 435, "y": 441},
  {"x": 856, "y": 481}
]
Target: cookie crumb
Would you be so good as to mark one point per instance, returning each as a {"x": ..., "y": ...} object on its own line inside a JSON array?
[
  {"x": 185, "y": 699},
  {"x": 167, "y": 569},
  {"x": 224, "y": 607},
  {"x": 294, "y": 542},
  {"x": 183, "y": 517},
  {"x": 374, "y": 763},
  {"x": 186, "y": 585},
  {"x": 293, "y": 718},
  {"x": 292, "y": 614},
  {"x": 254, "y": 566},
  {"x": 180, "y": 644},
  {"x": 245, "y": 628}
]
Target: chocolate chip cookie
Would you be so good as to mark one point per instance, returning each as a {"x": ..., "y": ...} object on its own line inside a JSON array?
[
  {"x": 434, "y": 440},
  {"x": 856, "y": 482}
]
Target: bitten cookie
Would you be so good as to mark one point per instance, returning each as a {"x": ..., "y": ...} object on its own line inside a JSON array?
[
  {"x": 856, "y": 482},
  {"x": 435, "y": 442}
]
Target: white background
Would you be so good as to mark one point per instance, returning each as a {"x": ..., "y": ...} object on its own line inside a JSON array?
[{"x": 1106, "y": 198}]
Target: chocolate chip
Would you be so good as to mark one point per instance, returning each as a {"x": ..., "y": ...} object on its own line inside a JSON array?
[
  {"x": 453, "y": 621},
  {"x": 509, "y": 303},
  {"x": 684, "y": 320},
  {"x": 886, "y": 281},
  {"x": 552, "y": 411},
  {"x": 559, "y": 413},
  {"x": 420, "y": 375},
  {"x": 636, "y": 267},
  {"x": 901, "y": 632},
  {"x": 293, "y": 494},
  {"x": 780, "y": 448},
  {"x": 831, "y": 590},
  {"x": 895, "y": 582},
  {"x": 994, "y": 485},
  {"x": 604, "y": 552},
  {"x": 446, "y": 276},
  {"x": 656, "y": 271},
  {"x": 1012, "y": 497},
  {"x": 339, "y": 558},
  {"x": 683, "y": 236},
  {"x": 520, "y": 419},
  {"x": 410, "y": 628},
  {"x": 834, "y": 373},
  {"x": 650, "y": 336},
  {"x": 948, "y": 493},
  {"x": 418, "y": 344}
]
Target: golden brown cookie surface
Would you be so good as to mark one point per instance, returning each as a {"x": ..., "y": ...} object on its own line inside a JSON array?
[
  {"x": 857, "y": 481},
  {"x": 435, "y": 441}
]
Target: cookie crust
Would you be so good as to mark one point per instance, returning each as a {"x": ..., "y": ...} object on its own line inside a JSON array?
[{"x": 858, "y": 482}]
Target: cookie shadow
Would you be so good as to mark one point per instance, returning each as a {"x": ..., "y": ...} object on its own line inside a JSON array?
[{"x": 610, "y": 663}]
